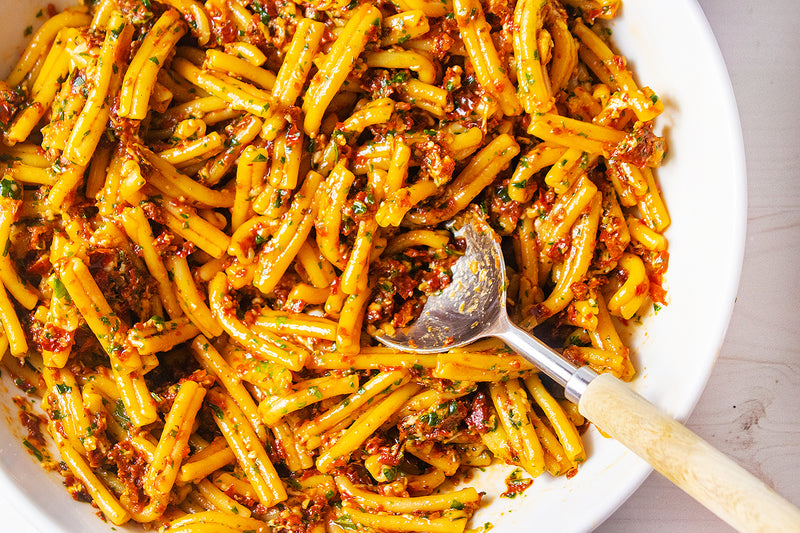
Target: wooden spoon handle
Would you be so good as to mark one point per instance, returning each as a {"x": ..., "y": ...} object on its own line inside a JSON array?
[{"x": 691, "y": 463}]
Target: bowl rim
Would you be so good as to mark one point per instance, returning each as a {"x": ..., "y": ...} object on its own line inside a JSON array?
[{"x": 739, "y": 179}]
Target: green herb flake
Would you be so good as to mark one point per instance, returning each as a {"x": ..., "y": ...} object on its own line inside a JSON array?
[
  {"x": 400, "y": 77},
  {"x": 10, "y": 189},
  {"x": 261, "y": 11},
  {"x": 390, "y": 473},
  {"x": 503, "y": 195},
  {"x": 457, "y": 505},
  {"x": 345, "y": 522},
  {"x": 34, "y": 450},
  {"x": 359, "y": 208},
  {"x": 315, "y": 392},
  {"x": 217, "y": 411}
]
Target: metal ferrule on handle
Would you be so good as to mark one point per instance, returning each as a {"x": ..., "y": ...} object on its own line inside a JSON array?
[{"x": 573, "y": 379}]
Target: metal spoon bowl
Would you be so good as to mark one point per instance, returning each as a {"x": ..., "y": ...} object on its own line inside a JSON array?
[{"x": 473, "y": 306}]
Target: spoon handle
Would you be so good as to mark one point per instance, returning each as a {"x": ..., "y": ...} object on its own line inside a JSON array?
[
  {"x": 691, "y": 463},
  {"x": 696, "y": 467}
]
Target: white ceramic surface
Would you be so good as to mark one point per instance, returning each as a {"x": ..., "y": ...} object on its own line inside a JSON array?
[{"x": 672, "y": 50}]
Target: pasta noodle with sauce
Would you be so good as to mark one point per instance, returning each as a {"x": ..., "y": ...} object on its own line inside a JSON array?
[{"x": 207, "y": 209}]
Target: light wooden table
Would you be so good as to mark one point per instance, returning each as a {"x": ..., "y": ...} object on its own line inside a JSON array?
[{"x": 750, "y": 407}]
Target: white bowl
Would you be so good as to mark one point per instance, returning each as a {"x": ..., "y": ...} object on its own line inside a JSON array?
[{"x": 671, "y": 48}]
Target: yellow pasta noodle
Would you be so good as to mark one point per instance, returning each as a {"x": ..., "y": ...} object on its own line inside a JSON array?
[
  {"x": 307, "y": 393},
  {"x": 54, "y": 67},
  {"x": 171, "y": 447},
  {"x": 534, "y": 84},
  {"x": 248, "y": 451},
  {"x": 475, "y": 32},
  {"x": 364, "y": 426},
  {"x": 338, "y": 64},
  {"x": 140, "y": 77}
]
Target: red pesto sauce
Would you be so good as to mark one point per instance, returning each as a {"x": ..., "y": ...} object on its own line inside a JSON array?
[{"x": 516, "y": 484}]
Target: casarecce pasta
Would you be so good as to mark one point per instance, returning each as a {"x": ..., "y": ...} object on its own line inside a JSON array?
[{"x": 208, "y": 208}]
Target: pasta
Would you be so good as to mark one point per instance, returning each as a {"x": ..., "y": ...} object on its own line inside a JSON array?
[{"x": 207, "y": 210}]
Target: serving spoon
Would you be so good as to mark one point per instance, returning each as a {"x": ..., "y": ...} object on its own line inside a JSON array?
[{"x": 473, "y": 306}]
